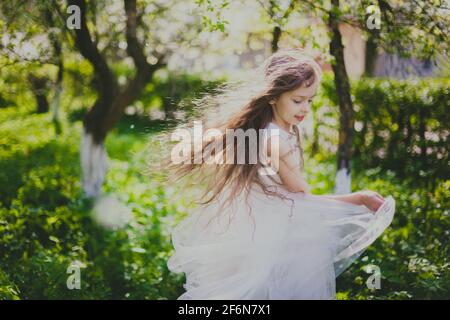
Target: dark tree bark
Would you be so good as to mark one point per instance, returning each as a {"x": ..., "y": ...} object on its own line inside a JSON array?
[
  {"x": 276, "y": 34},
  {"x": 342, "y": 84},
  {"x": 58, "y": 89},
  {"x": 58, "y": 54},
  {"x": 112, "y": 99},
  {"x": 39, "y": 87},
  {"x": 371, "y": 53},
  {"x": 277, "y": 30}
]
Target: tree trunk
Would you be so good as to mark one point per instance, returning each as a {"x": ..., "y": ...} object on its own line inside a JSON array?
[
  {"x": 112, "y": 100},
  {"x": 315, "y": 142},
  {"x": 344, "y": 155},
  {"x": 57, "y": 52},
  {"x": 371, "y": 53},
  {"x": 276, "y": 34},
  {"x": 55, "y": 104},
  {"x": 94, "y": 163},
  {"x": 40, "y": 90}
]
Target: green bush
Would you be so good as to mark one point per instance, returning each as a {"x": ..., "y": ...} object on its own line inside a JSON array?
[
  {"x": 403, "y": 126},
  {"x": 413, "y": 253},
  {"x": 46, "y": 223},
  {"x": 401, "y": 149},
  {"x": 400, "y": 125}
]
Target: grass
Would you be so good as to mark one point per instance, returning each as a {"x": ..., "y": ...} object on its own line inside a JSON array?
[{"x": 46, "y": 223}]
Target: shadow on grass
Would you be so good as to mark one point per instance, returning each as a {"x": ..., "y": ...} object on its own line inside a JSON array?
[{"x": 49, "y": 168}]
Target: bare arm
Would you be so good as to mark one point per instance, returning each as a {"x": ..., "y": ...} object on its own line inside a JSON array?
[
  {"x": 294, "y": 181},
  {"x": 371, "y": 199},
  {"x": 288, "y": 168},
  {"x": 354, "y": 198}
]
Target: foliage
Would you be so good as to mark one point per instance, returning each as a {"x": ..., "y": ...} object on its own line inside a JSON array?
[
  {"x": 46, "y": 224},
  {"x": 390, "y": 113}
]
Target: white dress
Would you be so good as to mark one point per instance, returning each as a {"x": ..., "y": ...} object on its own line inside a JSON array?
[{"x": 280, "y": 249}]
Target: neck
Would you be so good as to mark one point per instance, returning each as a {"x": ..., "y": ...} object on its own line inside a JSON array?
[{"x": 283, "y": 124}]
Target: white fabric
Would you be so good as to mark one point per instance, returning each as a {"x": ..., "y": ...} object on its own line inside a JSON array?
[{"x": 273, "y": 248}]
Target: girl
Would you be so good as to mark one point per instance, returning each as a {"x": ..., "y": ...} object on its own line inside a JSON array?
[{"x": 259, "y": 233}]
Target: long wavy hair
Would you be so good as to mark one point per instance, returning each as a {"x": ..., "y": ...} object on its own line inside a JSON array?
[{"x": 241, "y": 105}]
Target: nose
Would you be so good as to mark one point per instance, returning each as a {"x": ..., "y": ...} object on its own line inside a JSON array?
[{"x": 305, "y": 108}]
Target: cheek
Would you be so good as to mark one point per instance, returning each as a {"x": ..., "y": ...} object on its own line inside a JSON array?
[
  {"x": 293, "y": 107},
  {"x": 288, "y": 106},
  {"x": 293, "y": 110}
]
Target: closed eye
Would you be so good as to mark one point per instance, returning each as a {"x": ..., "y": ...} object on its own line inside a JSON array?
[{"x": 300, "y": 101}]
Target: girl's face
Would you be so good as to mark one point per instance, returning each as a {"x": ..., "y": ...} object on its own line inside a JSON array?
[{"x": 291, "y": 107}]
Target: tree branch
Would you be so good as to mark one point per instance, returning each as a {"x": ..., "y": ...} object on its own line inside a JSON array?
[
  {"x": 90, "y": 51},
  {"x": 144, "y": 70},
  {"x": 134, "y": 48}
]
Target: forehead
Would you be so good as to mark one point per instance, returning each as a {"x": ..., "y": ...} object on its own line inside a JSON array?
[{"x": 305, "y": 91}]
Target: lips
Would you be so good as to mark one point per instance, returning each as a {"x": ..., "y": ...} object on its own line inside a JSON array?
[{"x": 299, "y": 118}]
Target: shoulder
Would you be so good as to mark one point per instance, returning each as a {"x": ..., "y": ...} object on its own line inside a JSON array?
[
  {"x": 274, "y": 130},
  {"x": 280, "y": 142}
]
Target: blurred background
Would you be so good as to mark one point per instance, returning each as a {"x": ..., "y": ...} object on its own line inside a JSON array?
[{"x": 87, "y": 87}]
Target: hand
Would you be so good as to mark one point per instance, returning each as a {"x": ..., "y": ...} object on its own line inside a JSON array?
[{"x": 371, "y": 199}]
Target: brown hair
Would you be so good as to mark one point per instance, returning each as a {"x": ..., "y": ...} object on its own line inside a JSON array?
[{"x": 244, "y": 105}]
